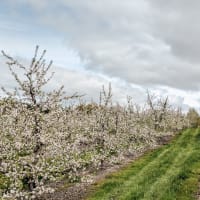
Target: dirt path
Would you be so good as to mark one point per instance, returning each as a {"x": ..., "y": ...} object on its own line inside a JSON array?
[
  {"x": 80, "y": 190},
  {"x": 171, "y": 172}
]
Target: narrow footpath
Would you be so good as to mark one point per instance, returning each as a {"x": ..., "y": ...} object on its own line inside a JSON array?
[{"x": 171, "y": 172}]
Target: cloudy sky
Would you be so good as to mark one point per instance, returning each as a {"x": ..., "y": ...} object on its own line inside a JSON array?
[{"x": 134, "y": 44}]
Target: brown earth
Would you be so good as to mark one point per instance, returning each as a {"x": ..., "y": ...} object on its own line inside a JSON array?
[{"x": 79, "y": 191}]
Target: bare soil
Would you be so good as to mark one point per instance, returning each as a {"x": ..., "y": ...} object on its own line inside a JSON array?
[{"x": 79, "y": 191}]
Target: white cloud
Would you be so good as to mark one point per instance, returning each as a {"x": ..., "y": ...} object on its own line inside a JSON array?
[
  {"x": 90, "y": 84},
  {"x": 84, "y": 83},
  {"x": 150, "y": 43},
  {"x": 139, "y": 41}
]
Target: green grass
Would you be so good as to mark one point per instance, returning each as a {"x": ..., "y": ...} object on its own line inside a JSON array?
[
  {"x": 4, "y": 183},
  {"x": 168, "y": 173}
]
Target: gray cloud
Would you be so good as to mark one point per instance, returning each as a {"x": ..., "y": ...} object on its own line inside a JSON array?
[
  {"x": 142, "y": 42},
  {"x": 83, "y": 83},
  {"x": 90, "y": 84},
  {"x": 152, "y": 43},
  {"x": 177, "y": 23}
]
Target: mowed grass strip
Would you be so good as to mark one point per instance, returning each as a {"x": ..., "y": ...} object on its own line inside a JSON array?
[{"x": 168, "y": 173}]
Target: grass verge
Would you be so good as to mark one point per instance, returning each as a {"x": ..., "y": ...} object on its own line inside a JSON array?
[{"x": 168, "y": 173}]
